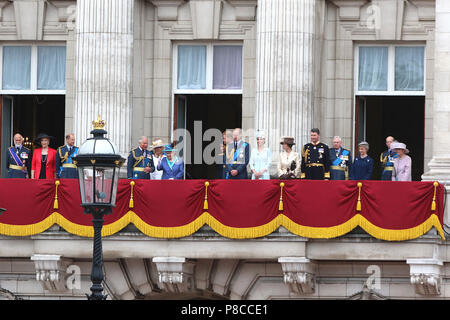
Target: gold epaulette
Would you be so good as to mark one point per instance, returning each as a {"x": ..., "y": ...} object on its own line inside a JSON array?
[
  {"x": 383, "y": 160},
  {"x": 138, "y": 159}
]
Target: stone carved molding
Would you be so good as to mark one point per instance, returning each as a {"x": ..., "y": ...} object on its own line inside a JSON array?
[
  {"x": 50, "y": 271},
  {"x": 175, "y": 274},
  {"x": 245, "y": 9},
  {"x": 2, "y": 5},
  {"x": 66, "y": 10},
  {"x": 299, "y": 274},
  {"x": 30, "y": 18},
  {"x": 426, "y": 275},
  {"x": 206, "y": 18},
  {"x": 167, "y": 10},
  {"x": 385, "y": 20}
]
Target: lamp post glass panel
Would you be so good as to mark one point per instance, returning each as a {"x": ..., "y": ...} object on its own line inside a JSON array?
[{"x": 98, "y": 163}]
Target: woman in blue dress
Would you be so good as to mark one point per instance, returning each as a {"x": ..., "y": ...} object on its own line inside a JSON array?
[
  {"x": 362, "y": 166},
  {"x": 171, "y": 166},
  {"x": 260, "y": 158}
]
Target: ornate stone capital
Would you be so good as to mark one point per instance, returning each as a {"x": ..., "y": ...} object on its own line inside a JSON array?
[
  {"x": 299, "y": 274},
  {"x": 426, "y": 275},
  {"x": 175, "y": 274},
  {"x": 50, "y": 271}
]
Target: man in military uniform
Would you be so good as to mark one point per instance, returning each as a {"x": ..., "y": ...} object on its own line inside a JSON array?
[
  {"x": 340, "y": 159},
  {"x": 315, "y": 158},
  {"x": 140, "y": 162},
  {"x": 18, "y": 159},
  {"x": 236, "y": 167},
  {"x": 65, "y": 168},
  {"x": 387, "y": 160}
]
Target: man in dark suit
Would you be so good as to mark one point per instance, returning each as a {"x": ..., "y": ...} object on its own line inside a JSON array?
[
  {"x": 65, "y": 168},
  {"x": 315, "y": 158},
  {"x": 236, "y": 167},
  {"x": 140, "y": 161},
  {"x": 18, "y": 159},
  {"x": 341, "y": 160}
]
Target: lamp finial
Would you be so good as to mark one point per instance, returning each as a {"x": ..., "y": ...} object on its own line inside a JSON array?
[{"x": 99, "y": 124}]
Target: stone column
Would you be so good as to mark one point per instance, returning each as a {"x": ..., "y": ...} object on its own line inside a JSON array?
[
  {"x": 103, "y": 69},
  {"x": 286, "y": 55},
  {"x": 440, "y": 163}
]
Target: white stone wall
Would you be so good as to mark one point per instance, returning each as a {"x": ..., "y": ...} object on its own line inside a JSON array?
[{"x": 128, "y": 279}]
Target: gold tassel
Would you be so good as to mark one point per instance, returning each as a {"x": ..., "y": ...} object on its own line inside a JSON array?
[
  {"x": 131, "y": 205},
  {"x": 358, "y": 204},
  {"x": 205, "y": 204},
  {"x": 433, "y": 204},
  {"x": 280, "y": 206},
  {"x": 55, "y": 203}
]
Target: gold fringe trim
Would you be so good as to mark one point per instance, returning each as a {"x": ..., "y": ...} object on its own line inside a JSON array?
[{"x": 226, "y": 231}]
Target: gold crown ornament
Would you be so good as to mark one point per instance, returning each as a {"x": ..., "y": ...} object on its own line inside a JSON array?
[{"x": 99, "y": 124}]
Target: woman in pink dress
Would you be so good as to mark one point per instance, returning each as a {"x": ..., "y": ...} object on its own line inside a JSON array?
[{"x": 402, "y": 164}]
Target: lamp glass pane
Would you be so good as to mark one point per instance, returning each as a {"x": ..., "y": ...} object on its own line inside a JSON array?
[
  {"x": 114, "y": 186},
  {"x": 86, "y": 184},
  {"x": 103, "y": 183}
]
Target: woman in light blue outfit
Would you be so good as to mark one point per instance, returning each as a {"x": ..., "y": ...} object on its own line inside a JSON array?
[{"x": 260, "y": 159}]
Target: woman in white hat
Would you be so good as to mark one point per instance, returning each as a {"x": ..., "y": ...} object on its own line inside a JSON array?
[
  {"x": 156, "y": 153},
  {"x": 402, "y": 164},
  {"x": 260, "y": 158}
]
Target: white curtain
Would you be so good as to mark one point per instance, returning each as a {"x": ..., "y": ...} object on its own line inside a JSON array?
[
  {"x": 191, "y": 67},
  {"x": 373, "y": 69},
  {"x": 51, "y": 70},
  {"x": 409, "y": 68},
  {"x": 16, "y": 67},
  {"x": 227, "y": 67}
]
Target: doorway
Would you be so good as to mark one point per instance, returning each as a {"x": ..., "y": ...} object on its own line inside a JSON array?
[
  {"x": 30, "y": 115},
  {"x": 402, "y": 117},
  {"x": 218, "y": 111}
]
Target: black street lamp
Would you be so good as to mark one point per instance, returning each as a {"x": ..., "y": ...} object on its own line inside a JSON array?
[{"x": 98, "y": 163}]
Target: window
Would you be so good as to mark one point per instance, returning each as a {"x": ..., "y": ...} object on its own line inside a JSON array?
[
  {"x": 191, "y": 67},
  {"x": 33, "y": 69},
  {"x": 208, "y": 68},
  {"x": 390, "y": 70},
  {"x": 409, "y": 68}
]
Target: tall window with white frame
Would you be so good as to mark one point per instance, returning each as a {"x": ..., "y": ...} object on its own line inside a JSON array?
[
  {"x": 207, "y": 88},
  {"x": 390, "y": 91},
  {"x": 32, "y": 89}
]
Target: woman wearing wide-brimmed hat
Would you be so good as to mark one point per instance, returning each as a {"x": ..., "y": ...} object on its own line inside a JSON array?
[
  {"x": 289, "y": 164},
  {"x": 402, "y": 164},
  {"x": 44, "y": 159},
  {"x": 156, "y": 153}
]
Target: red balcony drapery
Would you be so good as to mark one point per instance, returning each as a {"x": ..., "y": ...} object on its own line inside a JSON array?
[{"x": 235, "y": 209}]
